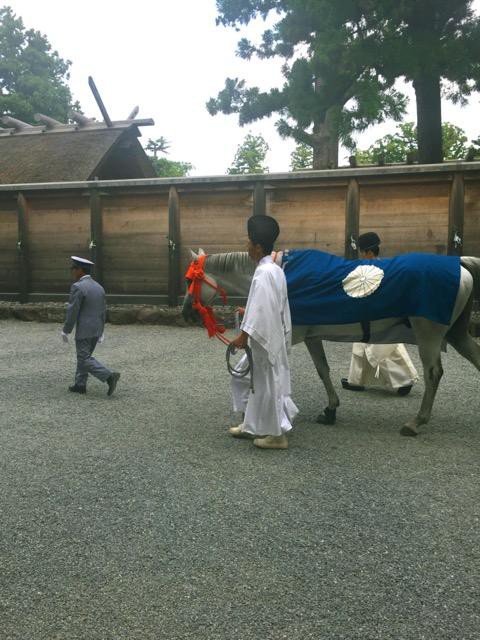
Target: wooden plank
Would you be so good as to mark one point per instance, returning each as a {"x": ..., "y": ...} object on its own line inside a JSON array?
[
  {"x": 96, "y": 235},
  {"x": 58, "y": 228},
  {"x": 23, "y": 248},
  {"x": 352, "y": 219},
  {"x": 259, "y": 199},
  {"x": 471, "y": 243},
  {"x": 309, "y": 218},
  {"x": 407, "y": 217},
  {"x": 134, "y": 233},
  {"x": 8, "y": 248},
  {"x": 215, "y": 219},
  {"x": 174, "y": 247},
  {"x": 411, "y": 212},
  {"x": 456, "y": 216}
]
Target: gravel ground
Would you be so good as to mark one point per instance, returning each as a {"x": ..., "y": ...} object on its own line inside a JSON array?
[{"x": 138, "y": 517}]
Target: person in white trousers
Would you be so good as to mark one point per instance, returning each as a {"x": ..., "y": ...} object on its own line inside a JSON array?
[{"x": 385, "y": 365}]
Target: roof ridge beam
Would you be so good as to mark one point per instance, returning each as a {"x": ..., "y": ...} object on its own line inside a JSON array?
[
  {"x": 133, "y": 113},
  {"x": 49, "y": 122},
  {"x": 81, "y": 119},
  {"x": 18, "y": 125}
]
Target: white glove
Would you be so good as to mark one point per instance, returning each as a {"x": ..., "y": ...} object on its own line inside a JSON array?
[
  {"x": 64, "y": 337},
  {"x": 101, "y": 339}
]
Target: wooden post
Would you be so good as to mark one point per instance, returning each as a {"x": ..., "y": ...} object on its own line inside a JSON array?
[
  {"x": 456, "y": 215},
  {"x": 352, "y": 219},
  {"x": 174, "y": 247},
  {"x": 24, "y": 279},
  {"x": 96, "y": 234},
  {"x": 259, "y": 199}
]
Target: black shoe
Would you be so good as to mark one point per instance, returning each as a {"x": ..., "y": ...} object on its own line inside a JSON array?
[
  {"x": 112, "y": 383},
  {"x": 351, "y": 387},
  {"x": 75, "y": 388},
  {"x": 404, "y": 391}
]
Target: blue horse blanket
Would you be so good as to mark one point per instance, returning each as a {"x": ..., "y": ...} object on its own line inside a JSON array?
[{"x": 415, "y": 285}]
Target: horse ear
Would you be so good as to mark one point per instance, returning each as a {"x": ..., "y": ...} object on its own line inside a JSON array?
[
  {"x": 193, "y": 255},
  {"x": 201, "y": 252}
]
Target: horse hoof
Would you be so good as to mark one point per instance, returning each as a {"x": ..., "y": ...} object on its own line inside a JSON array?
[
  {"x": 329, "y": 416},
  {"x": 408, "y": 431}
]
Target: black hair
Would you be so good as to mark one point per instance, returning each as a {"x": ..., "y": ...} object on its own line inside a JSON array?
[
  {"x": 267, "y": 247},
  {"x": 263, "y": 230},
  {"x": 86, "y": 268}
]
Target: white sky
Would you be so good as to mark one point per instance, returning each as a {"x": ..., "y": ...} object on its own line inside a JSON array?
[{"x": 169, "y": 57}]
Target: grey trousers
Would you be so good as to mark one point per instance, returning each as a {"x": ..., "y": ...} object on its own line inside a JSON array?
[{"x": 87, "y": 364}]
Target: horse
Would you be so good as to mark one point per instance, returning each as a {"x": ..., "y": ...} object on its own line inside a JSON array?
[{"x": 232, "y": 272}]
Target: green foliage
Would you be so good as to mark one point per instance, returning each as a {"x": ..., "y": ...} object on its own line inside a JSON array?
[
  {"x": 474, "y": 150},
  {"x": 169, "y": 168},
  {"x": 330, "y": 89},
  {"x": 250, "y": 156},
  {"x": 301, "y": 158},
  {"x": 429, "y": 38},
  {"x": 396, "y": 147},
  {"x": 33, "y": 77},
  {"x": 342, "y": 59},
  {"x": 454, "y": 142},
  {"x": 435, "y": 44}
]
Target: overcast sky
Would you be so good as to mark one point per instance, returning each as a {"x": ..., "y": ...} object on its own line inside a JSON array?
[{"x": 169, "y": 57}]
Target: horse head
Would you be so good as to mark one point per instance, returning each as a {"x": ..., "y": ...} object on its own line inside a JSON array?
[
  {"x": 213, "y": 275},
  {"x": 200, "y": 287}
]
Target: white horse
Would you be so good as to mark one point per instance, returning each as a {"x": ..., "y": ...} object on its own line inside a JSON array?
[{"x": 233, "y": 272}]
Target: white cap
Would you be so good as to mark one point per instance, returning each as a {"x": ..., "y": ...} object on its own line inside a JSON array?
[{"x": 81, "y": 260}]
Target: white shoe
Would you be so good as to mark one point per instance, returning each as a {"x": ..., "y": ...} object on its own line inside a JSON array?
[
  {"x": 272, "y": 442},
  {"x": 238, "y": 432}
]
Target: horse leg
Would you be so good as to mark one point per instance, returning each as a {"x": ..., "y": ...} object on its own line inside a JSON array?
[
  {"x": 317, "y": 353},
  {"x": 461, "y": 340},
  {"x": 430, "y": 337}
]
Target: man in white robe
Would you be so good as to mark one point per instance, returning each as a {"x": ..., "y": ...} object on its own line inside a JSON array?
[
  {"x": 266, "y": 327},
  {"x": 385, "y": 365}
]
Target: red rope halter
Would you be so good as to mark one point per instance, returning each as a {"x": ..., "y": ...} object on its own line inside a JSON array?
[{"x": 196, "y": 275}]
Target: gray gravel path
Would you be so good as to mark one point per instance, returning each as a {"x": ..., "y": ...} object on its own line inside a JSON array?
[{"x": 137, "y": 517}]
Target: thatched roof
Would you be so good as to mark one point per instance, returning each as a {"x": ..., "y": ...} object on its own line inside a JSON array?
[{"x": 75, "y": 154}]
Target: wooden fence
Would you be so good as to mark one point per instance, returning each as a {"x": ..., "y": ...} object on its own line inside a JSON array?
[{"x": 138, "y": 232}]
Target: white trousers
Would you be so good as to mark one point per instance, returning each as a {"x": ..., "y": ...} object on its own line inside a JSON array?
[
  {"x": 386, "y": 365},
  {"x": 269, "y": 411}
]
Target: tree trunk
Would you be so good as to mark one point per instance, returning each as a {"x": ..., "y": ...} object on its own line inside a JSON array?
[
  {"x": 325, "y": 142},
  {"x": 429, "y": 118}
]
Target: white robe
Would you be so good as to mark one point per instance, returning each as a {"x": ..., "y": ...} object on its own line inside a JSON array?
[
  {"x": 386, "y": 365},
  {"x": 269, "y": 411}
]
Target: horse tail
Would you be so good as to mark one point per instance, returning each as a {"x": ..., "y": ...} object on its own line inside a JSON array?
[{"x": 472, "y": 265}]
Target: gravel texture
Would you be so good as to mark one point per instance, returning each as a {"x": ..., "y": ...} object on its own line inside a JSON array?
[{"x": 138, "y": 517}]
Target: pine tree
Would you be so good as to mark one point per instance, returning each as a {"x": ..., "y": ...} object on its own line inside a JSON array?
[
  {"x": 165, "y": 168},
  {"x": 331, "y": 88},
  {"x": 159, "y": 145},
  {"x": 250, "y": 156},
  {"x": 435, "y": 44},
  {"x": 301, "y": 158}
]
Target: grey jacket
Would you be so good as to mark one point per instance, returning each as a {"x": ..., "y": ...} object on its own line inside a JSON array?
[{"x": 86, "y": 308}]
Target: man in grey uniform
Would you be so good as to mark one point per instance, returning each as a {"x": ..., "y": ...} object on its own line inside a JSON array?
[{"x": 87, "y": 310}]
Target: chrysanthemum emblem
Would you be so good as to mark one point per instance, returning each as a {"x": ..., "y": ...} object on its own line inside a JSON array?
[{"x": 363, "y": 281}]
